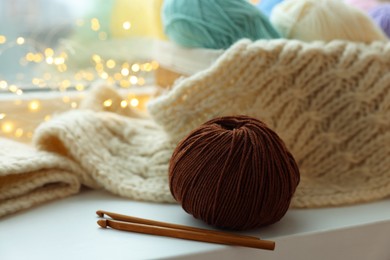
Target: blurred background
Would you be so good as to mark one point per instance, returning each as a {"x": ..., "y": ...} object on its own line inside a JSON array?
[
  {"x": 61, "y": 44},
  {"x": 51, "y": 51},
  {"x": 31, "y": 26}
]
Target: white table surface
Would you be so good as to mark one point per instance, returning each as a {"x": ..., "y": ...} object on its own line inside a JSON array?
[{"x": 67, "y": 229}]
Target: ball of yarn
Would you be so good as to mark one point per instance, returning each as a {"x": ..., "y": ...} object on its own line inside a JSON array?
[
  {"x": 234, "y": 173},
  {"x": 325, "y": 20},
  {"x": 214, "y": 24},
  {"x": 266, "y": 6},
  {"x": 381, "y": 15}
]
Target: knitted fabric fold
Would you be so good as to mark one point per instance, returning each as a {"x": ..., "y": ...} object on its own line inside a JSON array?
[
  {"x": 329, "y": 102},
  {"x": 126, "y": 156},
  {"x": 29, "y": 177},
  {"x": 113, "y": 148}
]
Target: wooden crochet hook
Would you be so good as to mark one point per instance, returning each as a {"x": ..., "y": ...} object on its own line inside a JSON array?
[
  {"x": 189, "y": 233},
  {"x": 132, "y": 219}
]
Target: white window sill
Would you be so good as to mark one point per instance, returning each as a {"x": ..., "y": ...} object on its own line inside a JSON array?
[{"x": 350, "y": 232}]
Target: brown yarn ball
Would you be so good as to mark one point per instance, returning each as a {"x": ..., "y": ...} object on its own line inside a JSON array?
[{"x": 233, "y": 172}]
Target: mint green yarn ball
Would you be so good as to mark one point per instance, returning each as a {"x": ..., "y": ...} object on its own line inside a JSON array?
[{"x": 214, "y": 24}]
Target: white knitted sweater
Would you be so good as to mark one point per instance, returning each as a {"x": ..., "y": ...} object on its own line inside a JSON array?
[{"x": 330, "y": 103}]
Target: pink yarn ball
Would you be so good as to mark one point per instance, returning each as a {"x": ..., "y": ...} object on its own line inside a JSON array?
[{"x": 365, "y": 5}]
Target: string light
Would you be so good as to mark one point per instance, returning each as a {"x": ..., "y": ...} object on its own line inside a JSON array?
[
  {"x": 126, "y": 25},
  {"x": 14, "y": 89},
  {"x": 104, "y": 75},
  {"x": 134, "y": 102},
  {"x": 95, "y": 25},
  {"x": 133, "y": 80},
  {"x": 79, "y": 87},
  {"x": 125, "y": 74},
  {"x": 30, "y": 56},
  {"x": 135, "y": 67},
  {"x": 19, "y": 132},
  {"x": 62, "y": 67},
  {"x": 7, "y": 127},
  {"x": 59, "y": 60},
  {"x": 20, "y": 40},
  {"x": 3, "y": 39},
  {"x": 99, "y": 67},
  {"x": 124, "y": 103},
  {"x": 124, "y": 77},
  {"x": 49, "y": 52},
  {"x": 49, "y": 60},
  {"x": 38, "y": 57},
  {"x": 3, "y": 84},
  {"x": 96, "y": 58},
  {"x": 35, "y": 81},
  {"x": 125, "y": 71},
  {"x": 34, "y": 105},
  {"x": 110, "y": 64},
  {"x": 64, "y": 85},
  {"x": 155, "y": 65},
  {"x": 107, "y": 103}
]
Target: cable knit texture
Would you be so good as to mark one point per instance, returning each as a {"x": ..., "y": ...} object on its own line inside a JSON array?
[{"x": 329, "y": 102}]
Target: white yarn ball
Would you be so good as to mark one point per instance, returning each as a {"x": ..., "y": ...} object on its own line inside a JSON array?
[{"x": 326, "y": 20}]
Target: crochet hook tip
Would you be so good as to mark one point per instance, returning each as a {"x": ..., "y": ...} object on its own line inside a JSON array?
[
  {"x": 100, "y": 213},
  {"x": 102, "y": 223}
]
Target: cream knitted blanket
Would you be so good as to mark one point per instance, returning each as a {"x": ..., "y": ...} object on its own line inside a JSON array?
[{"x": 329, "y": 102}]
